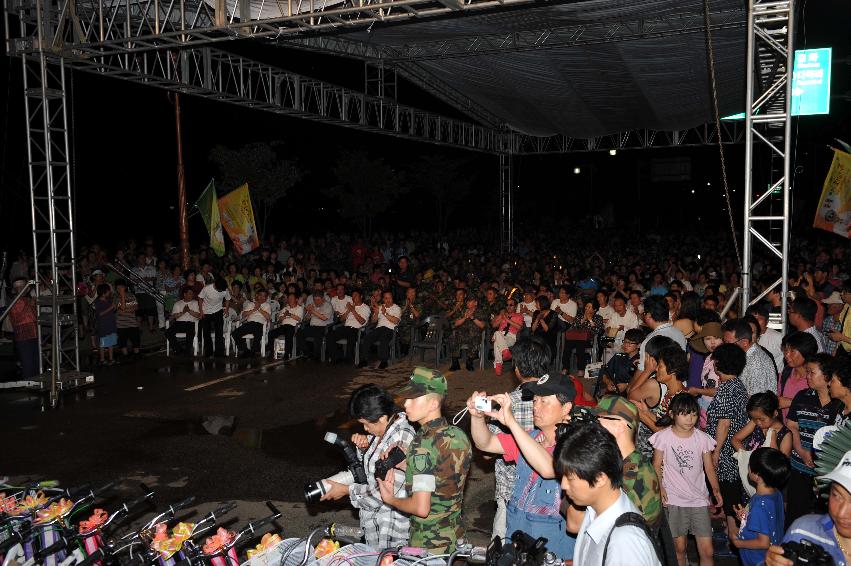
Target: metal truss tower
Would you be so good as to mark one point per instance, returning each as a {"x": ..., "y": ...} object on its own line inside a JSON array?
[
  {"x": 48, "y": 158},
  {"x": 506, "y": 203},
  {"x": 768, "y": 124}
]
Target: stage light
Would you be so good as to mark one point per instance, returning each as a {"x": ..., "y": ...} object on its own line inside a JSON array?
[
  {"x": 577, "y": 170},
  {"x": 613, "y": 152},
  {"x": 692, "y": 191}
]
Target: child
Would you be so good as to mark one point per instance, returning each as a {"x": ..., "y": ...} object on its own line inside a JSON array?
[
  {"x": 682, "y": 455},
  {"x": 105, "y": 326},
  {"x": 764, "y": 412},
  {"x": 762, "y": 520}
]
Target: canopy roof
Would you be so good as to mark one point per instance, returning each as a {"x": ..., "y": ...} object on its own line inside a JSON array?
[{"x": 582, "y": 69}]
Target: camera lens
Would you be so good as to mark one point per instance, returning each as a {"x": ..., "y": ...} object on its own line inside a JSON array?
[{"x": 313, "y": 491}]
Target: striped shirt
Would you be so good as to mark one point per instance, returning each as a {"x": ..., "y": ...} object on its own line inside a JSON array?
[
  {"x": 811, "y": 415},
  {"x": 383, "y": 526},
  {"x": 126, "y": 318}
]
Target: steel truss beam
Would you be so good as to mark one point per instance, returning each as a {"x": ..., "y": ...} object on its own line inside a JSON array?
[
  {"x": 121, "y": 26},
  {"x": 707, "y": 134},
  {"x": 52, "y": 221},
  {"x": 768, "y": 123}
]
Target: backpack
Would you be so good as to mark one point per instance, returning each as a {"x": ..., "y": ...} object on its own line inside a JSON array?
[{"x": 632, "y": 519}]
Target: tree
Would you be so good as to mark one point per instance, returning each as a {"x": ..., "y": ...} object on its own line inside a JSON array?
[
  {"x": 443, "y": 179},
  {"x": 365, "y": 188},
  {"x": 268, "y": 176}
]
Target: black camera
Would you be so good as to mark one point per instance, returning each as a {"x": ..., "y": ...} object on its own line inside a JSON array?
[
  {"x": 394, "y": 458},
  {"x": 313, "y": 491},
  {"x": 522, "y": 550},
  {"x": 806, "y": 553}
]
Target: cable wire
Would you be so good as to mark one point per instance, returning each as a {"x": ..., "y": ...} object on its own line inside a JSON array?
[{"x": 711, "y": 54}]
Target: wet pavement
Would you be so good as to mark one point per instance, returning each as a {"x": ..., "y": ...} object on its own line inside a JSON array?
[{"x": 143, "y": 422}]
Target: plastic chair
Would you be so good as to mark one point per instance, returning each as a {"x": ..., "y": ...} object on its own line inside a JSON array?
[
  {"x": 432, "y": 338},
  {"x": 264, "y": 338},
  {"x": 483, "y": 348},
  {"x": 345, "y": 342},
  {"x": 179, "y": 335},
  {"x": 324, "y": 344}
]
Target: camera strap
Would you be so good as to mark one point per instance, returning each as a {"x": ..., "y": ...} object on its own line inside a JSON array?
[
  {"x": 459, "y": 415},
  {"x": 632, "y": 519}
]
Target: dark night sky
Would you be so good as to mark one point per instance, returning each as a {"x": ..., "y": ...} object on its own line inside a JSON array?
[{"x": 125, "y": 154}]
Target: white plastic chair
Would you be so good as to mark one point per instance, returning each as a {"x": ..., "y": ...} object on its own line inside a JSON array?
[
  {"x": 248, "y": 337},
  {"x": 195, "y": 340}
]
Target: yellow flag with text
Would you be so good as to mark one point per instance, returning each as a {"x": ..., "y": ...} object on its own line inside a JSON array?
[
  {"x": 834, "y": 208},
  {"x": 238, "y": 219}
]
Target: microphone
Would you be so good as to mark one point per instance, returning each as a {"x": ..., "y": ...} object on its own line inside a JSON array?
[{"x": 345, "y": 533}]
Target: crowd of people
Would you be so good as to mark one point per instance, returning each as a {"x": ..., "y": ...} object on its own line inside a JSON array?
[{"x": 697, "y": 411}]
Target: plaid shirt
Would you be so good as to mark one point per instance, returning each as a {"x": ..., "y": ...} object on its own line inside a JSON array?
[
  {"x": 830, "y": 324},
  {"x": 506, "y": 473},
  {"x": 24, "y": 320},
  {"x": 383, "y": 526}
]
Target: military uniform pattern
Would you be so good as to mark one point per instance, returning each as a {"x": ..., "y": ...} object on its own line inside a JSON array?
[
  {"x": 438, "y": 461},
  {"x": 642, "y": 487},
  {"x": 407, "y": 323},
  {"x": 468, "y": 335}
]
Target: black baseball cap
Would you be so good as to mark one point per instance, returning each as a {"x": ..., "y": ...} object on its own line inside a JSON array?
[{"x": 551, "y": 385}]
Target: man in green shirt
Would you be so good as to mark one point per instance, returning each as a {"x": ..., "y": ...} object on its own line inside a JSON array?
[{"x": 436, "y": 467}]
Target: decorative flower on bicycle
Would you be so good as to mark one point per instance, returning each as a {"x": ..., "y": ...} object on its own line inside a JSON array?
[
  {"x": 97, "y": 519},
  {"x": 268, "y": 541},
  {"x": 54, "y": 511},
  {"x": 215, "y": 543}
]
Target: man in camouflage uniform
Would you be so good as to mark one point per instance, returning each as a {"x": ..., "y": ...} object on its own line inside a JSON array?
[
  {"x": 467, "y": 329},
  {"x": 412, "y": 313},
  {"x": 640, "y": 483},
  {"x": 437, "y": 465},
  {"x": 493, "y": 304}
]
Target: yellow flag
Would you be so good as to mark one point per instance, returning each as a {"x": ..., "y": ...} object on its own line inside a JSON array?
[
  {"x": 238, "y": 219},
  {"x": 834, "y": 208}
]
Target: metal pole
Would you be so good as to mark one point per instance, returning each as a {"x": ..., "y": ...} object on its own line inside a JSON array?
[
  {"x": 787, "y": 152},
  {"x": 181, "y": 190},
  {"x": 748, "y": 186}
]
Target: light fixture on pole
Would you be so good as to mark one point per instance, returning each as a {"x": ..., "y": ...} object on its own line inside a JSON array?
[{"x": 577, "y": 170}]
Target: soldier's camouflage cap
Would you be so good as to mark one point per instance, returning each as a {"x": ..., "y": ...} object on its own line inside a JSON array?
[
  {"x": 423, "y": 381},
  {"x": 617, "y": 406}
]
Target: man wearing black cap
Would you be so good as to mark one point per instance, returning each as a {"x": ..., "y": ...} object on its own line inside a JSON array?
[{"x": 535, "y": 502}]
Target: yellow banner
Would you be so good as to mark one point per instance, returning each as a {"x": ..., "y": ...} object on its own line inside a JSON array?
[
  {"x": 238, "y": 219},
  {"x": 834, "y": 208}
]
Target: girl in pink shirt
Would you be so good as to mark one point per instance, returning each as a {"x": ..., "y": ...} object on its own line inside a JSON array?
[{"x": 682, "y": 455}]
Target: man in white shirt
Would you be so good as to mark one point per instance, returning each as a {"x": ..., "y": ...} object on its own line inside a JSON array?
[
  {"x": 386, "y": 317},
  {"x": 769, "y": 338},
  {"x": 802, "y": 316},
  {"x": 184, "y": 314},
  {"x": 319, "y": 316},
  {"x": 564, "y": 306},
  {"x": 214, "y": 300},
  {"x": 289, "y": 317},
  {"x": 528, "y": 307},
  {"x": 591, "y": 467},
  {"x": 354, "y": 317},
  {"x": 623, "y": 319},
  {"x": 255, "y": 314},
  {"x": 605, "y": 311},
  {"x": 339, "y": 302}
]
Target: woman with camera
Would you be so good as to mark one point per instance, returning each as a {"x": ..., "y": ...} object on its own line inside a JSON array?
[{"x": 385, "y": 427}]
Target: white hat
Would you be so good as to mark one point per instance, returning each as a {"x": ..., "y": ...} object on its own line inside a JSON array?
[
  {"x": 841, "y": 474},
  {"x": 834, "y": 299}
]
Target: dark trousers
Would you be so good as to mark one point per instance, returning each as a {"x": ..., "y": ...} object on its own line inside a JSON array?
[
  {"x": 383, "y": 336},
  {"x": 28, "y": 356},
  {"x": 577, "y": 346},
  {"x": 800, "y": 496},
  {"x": 288, "y": 332},
  {"x": 177, "y": 327},
  {"x": 350, "y": 335},
  {"x": 246, "y": 328},
  {"x": 213, "y": 323},
  {"x": 316, "y": 333}
]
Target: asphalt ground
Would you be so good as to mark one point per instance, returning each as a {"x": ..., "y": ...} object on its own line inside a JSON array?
[{"x": 142, "y": 423}]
